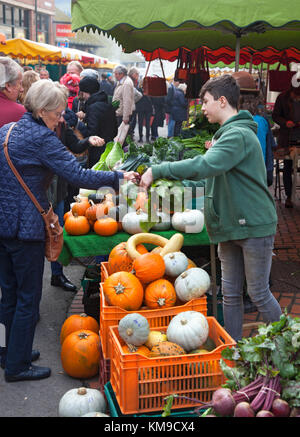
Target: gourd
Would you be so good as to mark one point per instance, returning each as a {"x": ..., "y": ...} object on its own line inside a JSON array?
[
  {"x": 160, "y": 294},
  {"x": 134, "y": 329},
  {"x": 164, "y": 222},
  {"x": 174, "y": 244},
  {"x": 119, "y": 259},
  {"x": 77, "y": 322},
  {"x": 124, "y": 290},
  {"x": 106, "y": 226},
  {"x": 117, "y": 212},
  {"x": 191, "y": 284},
  {"x": 189, "y": 329},
  {"x": 91, "y": 212},
  {"x": 154, "y": 338},
  {"x": 81, "y": 401},
  {"x": 176, "y": 263},
  {"x": 148, "y": 267},
  {"x": 80, "y": 206},
  {"x": 190, "y": 221},
  {"x": 77, "y": 225},
  {"x": 165, "y": 349},
  {"x": 80, "y": 354},
  {"x": 95, "y": 414},
  {"x": 130, "y": 349},
  {"x": 131, "y": 221}
]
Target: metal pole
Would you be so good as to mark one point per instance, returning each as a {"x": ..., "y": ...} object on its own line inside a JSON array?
[
  {"x": 36, "y": 23},
  {"x": 237, "y": 52}
]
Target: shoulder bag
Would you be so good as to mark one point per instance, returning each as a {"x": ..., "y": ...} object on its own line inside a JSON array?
[
  {"x": 53, "y": 230},
  {"x": 280, "y": 80},
  {"x": 154, "y": 86}
]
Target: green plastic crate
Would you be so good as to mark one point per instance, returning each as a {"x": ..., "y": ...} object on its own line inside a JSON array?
[{"x": 116, "y": 412}]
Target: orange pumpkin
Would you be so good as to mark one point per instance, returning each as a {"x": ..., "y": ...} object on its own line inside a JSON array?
[
  {"x": 191, "y": 264},
  {"x": 143, "y": 350},
  {"x": 124, "y": 290},
  {"x": 80, "y": 206},
  {"x": 77, "y": 225},
  {"x": 119, "y": 260},
  {"x": 165, "y": 349},
  {"x": 160, "y": 294},
  {"x": 77, "y": 322},
  {"x": 106, "y": 226},
  {"x": 91, "y": 212},
  {"x": 149, "y": 267},
  {"x": 80, "y": 354},
  {"x": 67, "y": 214},
  {"x": 141, "y": 201}
]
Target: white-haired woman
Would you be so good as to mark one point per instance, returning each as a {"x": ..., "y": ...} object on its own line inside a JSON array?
[
  {"x": 37, "y": 153},
  {"x": 10, "y": 87}
]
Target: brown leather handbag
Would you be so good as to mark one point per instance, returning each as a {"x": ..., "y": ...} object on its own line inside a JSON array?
[
  {"x": 154, "y": 86},
  {"x": 280, "y": 80},
  {"x": 53, "y": 231}
]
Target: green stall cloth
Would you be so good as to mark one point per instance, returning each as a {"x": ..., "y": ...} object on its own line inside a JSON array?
[{"x": 92, "y": 244}]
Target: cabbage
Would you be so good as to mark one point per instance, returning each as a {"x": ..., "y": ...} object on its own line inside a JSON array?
[{"x": 114, "y": 155}]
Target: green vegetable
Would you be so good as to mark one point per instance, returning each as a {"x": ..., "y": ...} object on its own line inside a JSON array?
[
  {"x": 114, "y": 155},
  {"x": 101, "y": 165}
]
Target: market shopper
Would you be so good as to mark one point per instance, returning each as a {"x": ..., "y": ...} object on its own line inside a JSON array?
[
  {"x": 74, "y": 67},
  {"x": 179, "y": 108},
  {"x": 29, "y": 77},
  {"x": 144, "y": 111},
  {"x": 159, "y": 114},
  {"x": 37, "y": 153},
  {"x": 240, "y": 213},
  {"x": 286, "y": 114},
  {"x": 124, "y": 93},
  {"x": 11, "y": 74}
]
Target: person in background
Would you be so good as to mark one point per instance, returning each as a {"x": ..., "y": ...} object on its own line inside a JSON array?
[
  {"x": 240, "y": 212},
  {"x": 144, "y": 112},
  {"x": 179, "y": 108},
  {"x": 169, "y": 102},
  {"x": 78, "y": 103},
  {"x": 29, "y": 77},
  {"x": 27, "y": 68},
  {"x": 124, "y": 93},
  {"x": 37, "y": 153},
  {"x": 100, "y": 116},
  {"x": 159, "y": 107},
  {"x": 74, "y": 67},
  {"x": 134, "y": 75},
  {"x": 11, "y": 75},
  {"x": 106, "y": 86},
  {"x": 89, "y": 72},
  {"x": 44, "y": 74},
  {"x": 286, "y": 114},
  {"x": 71, "y": 81}
]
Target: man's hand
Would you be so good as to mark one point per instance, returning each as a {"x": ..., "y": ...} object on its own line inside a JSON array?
[
  {"x": 146, "y": 179},
  {"x": 80, "y": 115},
  {"x": 96, "y": 141},
  {"x": 132, "y": 176},
  {"x": 208, "y": 144}
]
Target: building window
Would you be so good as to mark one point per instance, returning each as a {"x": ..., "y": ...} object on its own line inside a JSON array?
[{"x": 43, "y": 24}]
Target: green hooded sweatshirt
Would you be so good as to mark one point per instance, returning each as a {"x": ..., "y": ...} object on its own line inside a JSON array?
[{"x": 237, "y": 202}]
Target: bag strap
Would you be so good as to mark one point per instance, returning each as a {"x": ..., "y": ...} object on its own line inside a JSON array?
[
  {"x": 16, "y": 173},
  {"x": 284, "y": 60},
  {"x": 160, "y": 65}
]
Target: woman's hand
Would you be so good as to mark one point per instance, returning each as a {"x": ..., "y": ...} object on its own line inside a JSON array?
[
  {"x": 96, "y": 141},
  {"x": 80, "y": 115},
  {"x": 146, "y": 179},
  {"x": 132, "y": 176}
]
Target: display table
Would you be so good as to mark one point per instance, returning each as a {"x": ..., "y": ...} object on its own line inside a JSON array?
[{"x": 93, "y": 244}]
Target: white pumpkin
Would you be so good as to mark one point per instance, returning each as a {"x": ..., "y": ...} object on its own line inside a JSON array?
[
  {"x": 191, "y": 284},
  {"x": 134, "y": 329},
  {"x": 164, "y": 222},
  {"x": 189, "y": 329},
  {"x": 190, "y": 221},
  {"x": 131, "y": 221},
  {"x": 79, "y": 401},
  {"x": 176, "y": 263},
  {"x": 95, "y": 414}
]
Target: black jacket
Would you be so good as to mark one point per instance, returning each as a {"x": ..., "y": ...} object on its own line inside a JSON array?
[
  {"x": 107, "y": 87},
  {"x": 101, "y": 120}
]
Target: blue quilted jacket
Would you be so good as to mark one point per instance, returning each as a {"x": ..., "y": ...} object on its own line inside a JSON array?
[{"x": 37, "y": 154}]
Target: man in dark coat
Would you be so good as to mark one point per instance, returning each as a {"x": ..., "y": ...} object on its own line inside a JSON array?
[
  {"x": 100, "y": 116},
  {"x": 106, "y": 86}
]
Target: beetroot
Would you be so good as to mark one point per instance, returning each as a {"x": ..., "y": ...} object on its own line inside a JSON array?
[
  {"x": 280, "y": 408},
  {"x": 223, "y": 402},
  {"x": 243, "y": 409},
  {"x": 265, "y": 413}
]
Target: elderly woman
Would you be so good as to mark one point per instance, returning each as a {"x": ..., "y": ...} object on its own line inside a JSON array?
[{"x": 37, "y": 153}]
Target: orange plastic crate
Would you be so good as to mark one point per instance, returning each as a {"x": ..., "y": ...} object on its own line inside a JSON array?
[
  {"x": 104, "y": 271},
  {"x": 111, "y": 315},
  {"x": 141, "y": 384}
]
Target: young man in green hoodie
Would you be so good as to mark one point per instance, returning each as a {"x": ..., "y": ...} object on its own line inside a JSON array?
[{"x": 240, "y": 213}]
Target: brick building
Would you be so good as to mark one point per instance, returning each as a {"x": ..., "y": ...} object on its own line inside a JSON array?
[{"x": 31, "y": 19}]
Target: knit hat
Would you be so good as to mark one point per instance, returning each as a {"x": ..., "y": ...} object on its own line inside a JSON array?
[
  {"x": 71, "y": 81},
  {"x": 89, "y": 85},
  {"x": 245, "y": 81}
]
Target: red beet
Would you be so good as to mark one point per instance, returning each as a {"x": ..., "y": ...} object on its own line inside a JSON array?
[
  {"x": 280, "y": 408},
  {"x": 243, "y": 409},
  {"x": 223, "y": 402},
  {"x": 265, "y": 413}
]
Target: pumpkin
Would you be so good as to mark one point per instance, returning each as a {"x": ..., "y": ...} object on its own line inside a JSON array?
[
  {"x": 124, "y": 290},
  {"x": 176, "y": 263},
  {"x": 191, "y": 284},
  {"x": 106, "y": 226},
  {"x": 149, "y": 267},
  {"x": 134, "y": 329},
  {"x": 160, "y": 294},
  {"x": 117, "y": 212},
  {"x": 67, "y": 214},
  {"x": 80, "y": 206},
  {"x": 131, "y": 221},
  {"x": 164, "y": 222},
  {"x": 174, "y": 244},
  {"x": 141, "y": 201},
  {"x": 91, "y": 212},
  {"x": 154, "y": 338},
  {"x": 190, "y": 221},
  {"x": 78, "y": 322},
  {"x": 119, "y": 259},
  {"x": 80, "y": 354},
  {"x": 77, "y": 225},
  {"x": 78, "y": 402},
  {"x": 189, "y": 329},
  {"x": 130, "y": 349},
  {"x": 191, "y": 263},
  {"x": 165, "y": 349},
  {"x": 95, "y": 414}
]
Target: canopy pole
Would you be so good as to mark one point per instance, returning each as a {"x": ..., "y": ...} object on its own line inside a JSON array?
[{"x": 237, "y": 52}]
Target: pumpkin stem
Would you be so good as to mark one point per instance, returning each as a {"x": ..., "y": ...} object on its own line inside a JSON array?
[
  {"x": 81, "y": 391},
  {"x": 132, "y": 348},
  {"x": 183, "y": 321},
  {"x": 83, "y": 335},
  {"x": 184, "y": 274},
  {"x": 161, "y": 301},
  {"x": 129, "y": 331},
  {"x": 83, "y": 315},
  {"x": 119, "y": 288}
]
